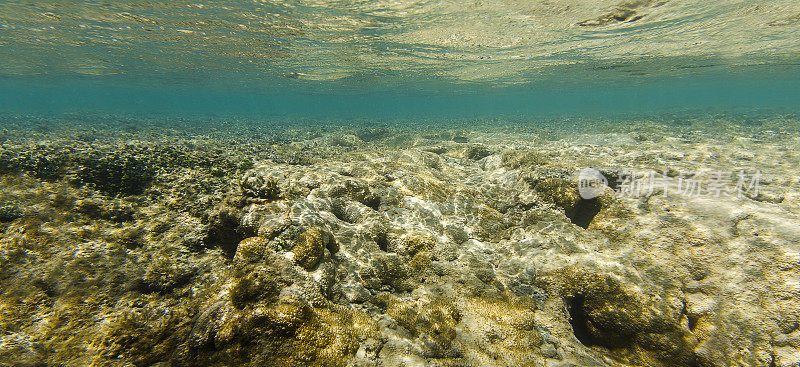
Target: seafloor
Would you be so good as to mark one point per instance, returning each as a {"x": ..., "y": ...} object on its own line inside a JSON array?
[{"x": 160, "y": 241}]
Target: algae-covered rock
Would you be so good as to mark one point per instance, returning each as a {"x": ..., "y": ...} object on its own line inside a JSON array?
[
  {"x": 456, "y": 233},
  {"x": 391, "y": 270},
  {"x": 287, "y": 332},
  {"x": 132, "y": 238},
  {"x": 412, "y": 244},
  {"x": 606, "y": 313},
  {"x": 559, "y": 189},
  {"x": 257, "y": 185},
  {"x": 251, "y": 249},
  {"x": 434, "y": 322},
  {"x": 165, "y": 274},
  {"x": 147, "y": 336},
  {"x": 10, "y": 212},
  {"x": 491, "y": 225},
  {"x": 310, "y": 246},
  {"x": 614, "y": 219},
  {"x": 504, "y": 330},
  {"x": 46, "y": 167},
  {"x": 355, "y": 190},
  {"x": 257, "y": 285},
  {"x": 476, "y": 152},
  {"x": 124, "y": 174},
  {"x": 369, "y": 134},
  {"x": 521, "y": 159},
  {"x": 111, "y": 210}
]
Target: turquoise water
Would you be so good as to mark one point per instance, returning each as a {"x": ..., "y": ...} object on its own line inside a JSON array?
[
  {"x": 399, "y": 59},
  {"x": 760, "y": 90}
]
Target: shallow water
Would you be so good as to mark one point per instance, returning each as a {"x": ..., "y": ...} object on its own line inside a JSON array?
[
  {"x": 399, "y": 57},
  {"x": 400, "y": 183}
]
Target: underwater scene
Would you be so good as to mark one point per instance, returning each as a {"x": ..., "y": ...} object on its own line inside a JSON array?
[{"x": 390, "y": 183}]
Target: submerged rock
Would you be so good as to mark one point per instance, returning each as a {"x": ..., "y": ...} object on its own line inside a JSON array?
[
  {"x": 563, "y": 192},
  {"x": 643, "y": 330},
  {"x": 10, "y": 212},
  {"x": 412, "y": 249},
  {"x": 476, "y": 152},
  {"x": 258, "y": 186},
  {"x": 309, "y": 247},
  {"x": 124, "y": 174}
]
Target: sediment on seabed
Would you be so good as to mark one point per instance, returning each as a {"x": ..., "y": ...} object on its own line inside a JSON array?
[{"x": 202, "y": 243}]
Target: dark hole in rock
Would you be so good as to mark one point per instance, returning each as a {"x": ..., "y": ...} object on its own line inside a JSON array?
[
  {"x": 226, "y": 234},
  {"x": 372, "y": 201},
  {"x": 585, "y": 211},
  {"x": 345, "y": 213},
  {"x": 9, "y": 213},
  {"x": 46, "y": 287},
  {"x": 337, "y": 209},
  {"x": 614, "y": 178},
  {"x": 692, "y": 319},
  {"x": 693, "y": 322},
  {"x": 579, "y": 320},
  {"x": 383, "y": 241}
]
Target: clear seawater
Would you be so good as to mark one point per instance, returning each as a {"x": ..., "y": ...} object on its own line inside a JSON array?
[
  {"x": 399, "y": 59},
  {"x": 121, "y": 230}
]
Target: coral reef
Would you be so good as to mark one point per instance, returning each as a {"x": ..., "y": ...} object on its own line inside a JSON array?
[{"x": 389, "y": 246}]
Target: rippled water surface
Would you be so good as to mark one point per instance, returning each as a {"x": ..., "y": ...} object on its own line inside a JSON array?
[{"x": 722, "y": 48}]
